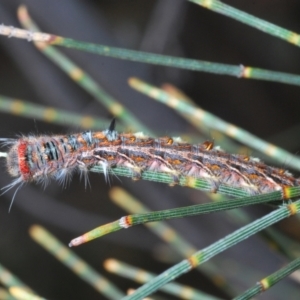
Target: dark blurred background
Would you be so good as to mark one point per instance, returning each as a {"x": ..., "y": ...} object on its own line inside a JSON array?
[{"x": 172, "y": 27}]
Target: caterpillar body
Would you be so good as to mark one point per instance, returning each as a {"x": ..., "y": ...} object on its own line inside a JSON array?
[{"x": 38, "y": 159}]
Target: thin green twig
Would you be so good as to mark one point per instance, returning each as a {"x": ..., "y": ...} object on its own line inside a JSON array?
[
  {"x": 178, "y": 62},
  {"x": 156, "y": 59},
  {"x": 269, "y": 281},
  {"x": 181, "y": 212},
  {"x": 186, "y": 181},
  {"x": 243, "y": 17}
]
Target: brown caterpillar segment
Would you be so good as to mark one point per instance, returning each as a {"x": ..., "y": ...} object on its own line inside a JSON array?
[{"x": 41, "y": 158}]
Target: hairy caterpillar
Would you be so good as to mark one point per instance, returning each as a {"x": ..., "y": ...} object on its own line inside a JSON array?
[{"x": 38, "y": 159}]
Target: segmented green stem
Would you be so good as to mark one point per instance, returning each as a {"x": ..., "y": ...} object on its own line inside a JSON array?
[
  {"x": 193, "y": 210},
  {"x": 270, "y": 280},
  {"x": 214, "y": 249}
]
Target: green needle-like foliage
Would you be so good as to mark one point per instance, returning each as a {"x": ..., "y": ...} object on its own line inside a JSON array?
[{"x": 287, "y": 198}]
